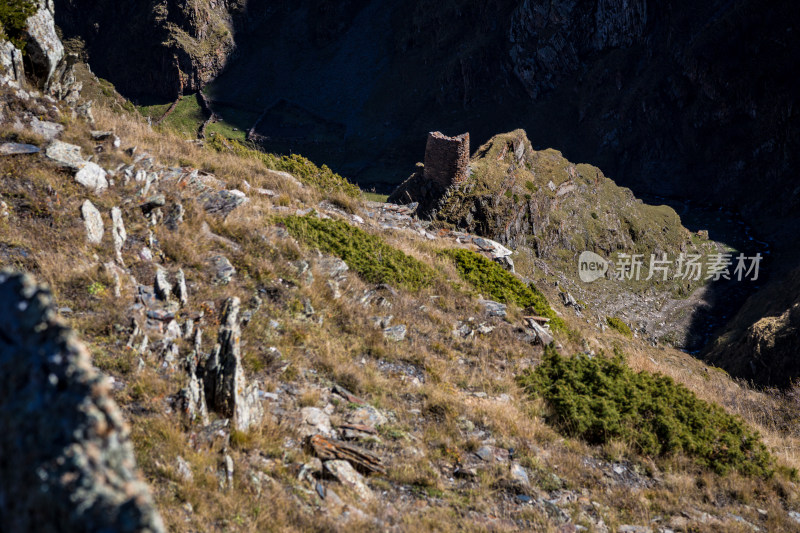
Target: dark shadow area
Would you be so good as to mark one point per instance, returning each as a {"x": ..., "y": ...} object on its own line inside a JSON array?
[{"x": 721, "y": 299}]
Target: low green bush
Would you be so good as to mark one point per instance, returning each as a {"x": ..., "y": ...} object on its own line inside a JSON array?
[
  {"x": 13, "y": 14},
  {"x": 367, "y": 254},
  {"x": 600, "y": 399},
  {"x": 323, "y": 178},
  {"x": 496, "y": 283},
  {"x": 617, "y": 324}
]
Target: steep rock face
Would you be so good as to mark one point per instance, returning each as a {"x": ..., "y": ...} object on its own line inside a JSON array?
[
  {"x": 43, "y": 47},
  {"x": 552, "y": 40},
  {"x": 158, "y": 48},
  {"x": 66, "y": 461}
]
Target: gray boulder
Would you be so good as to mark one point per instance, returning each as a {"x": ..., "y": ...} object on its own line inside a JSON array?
[
  {"x": 11, "y": 69},
  {"x": 93, "y": 177},
  {"x": 93, "y": 222},
  {"x": 68, "y": 463},
  {"x": 493, "y": 308},
  {"x": 118, "y": 232},
  {"x": 43, "y": 48},
  {"x": 48, "y": 130},
  {"x": 65, "y": 154}
]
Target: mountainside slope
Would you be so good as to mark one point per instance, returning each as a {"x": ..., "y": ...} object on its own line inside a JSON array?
[{"x": 292, "y": 356}]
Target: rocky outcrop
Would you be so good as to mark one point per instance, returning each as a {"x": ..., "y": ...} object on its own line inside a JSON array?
[
  {"x": 67, "y": 461},
  {"x": 180, "y": 44},
  {"x": 43, "y": 47},
  {"x": 11, "y": 68},
  {"x": 226, "y": 389}
]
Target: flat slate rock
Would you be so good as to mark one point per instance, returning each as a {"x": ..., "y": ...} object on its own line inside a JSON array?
[{"x": 18, "y": 148}]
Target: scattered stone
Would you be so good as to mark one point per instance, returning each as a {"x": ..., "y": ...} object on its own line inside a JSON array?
[
  {"x": 463, "y": 330},
  {"x": 223, "y": 202},
  {"x": 542, "y": 335},
  {"x": 485, "y": 453},
  {"x": 381, "y": 322},
  {"x": 162, "y": 286},
  {"x": 65, "y": 154},
  {"x": 329, "y": 449},
  {"x": 314, "y": 421},
  {"x": 93, "y": 177},
  {"x": 180, "y": 288},
  {"x": 101, "y": 135},
  {"x": 519, "y": 475},
  {"x": 48, "y": 130},
  {"x": 395, "y": 333},
  {"x": 226, "y": 389},
  {"x": 495, "y": 309},
  {"x": 569, "y": 300},
  {"x": 93, "y": 222},
  {"x": 174, "y": 216},
  {"x": 12, "y": 71},
  {"x": 303, "y": 271},
  {"x": 347, "y": 476},
  {"x": 333, "y": 286},
  {"x": 367, "y": 416},
  {"x": 332, "y": 267},
  {"x": 118, "y": 232},
  {"x": 152, "y": 203},
  {"x": 145, "y": 254},
  {"x": 506, "y": 262},
  {"x": 191, "y": 399},
  {"x": 347, "y": 395},
  {"x": 484, "y": 329},
  {"x": 73, "y": 466},
  {"x": 226, "y": 472},
  {"x": 17, "y": 149},
  {"x": 172, "y": 332},
  {"x": 184, "y": 470},
  {"x": 223, "y": 269}
]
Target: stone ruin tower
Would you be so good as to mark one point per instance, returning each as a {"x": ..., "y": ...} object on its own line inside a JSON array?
[{"x": 447, "y": 159}]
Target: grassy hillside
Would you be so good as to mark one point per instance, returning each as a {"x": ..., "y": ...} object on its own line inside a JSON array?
[{"x": 394, "y": 359}]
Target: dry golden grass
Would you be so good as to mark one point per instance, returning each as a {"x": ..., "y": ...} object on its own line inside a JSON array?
[{"x": 432, "y": 420}]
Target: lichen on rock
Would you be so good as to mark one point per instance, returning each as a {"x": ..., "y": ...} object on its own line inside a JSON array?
[{"x": 67, "y": 461}]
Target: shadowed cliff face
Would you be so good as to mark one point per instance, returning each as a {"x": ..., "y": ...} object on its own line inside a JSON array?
[
  {"x": 155, "y": 48},
  {"x": 667, "y": 97}
]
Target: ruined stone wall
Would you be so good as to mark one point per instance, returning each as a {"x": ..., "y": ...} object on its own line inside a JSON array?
[{"x": 447, "y": 159}]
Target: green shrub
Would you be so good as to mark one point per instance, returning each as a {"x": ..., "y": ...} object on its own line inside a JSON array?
[
  {"x": 323, "y": 178},
  {"x": 600, "y": 399},
  {"x": 498, "y": 284},
  {"x": 367, "y": 254},
  {"x": 13, "y": 14},
  {"x": 619, "y": 325}
]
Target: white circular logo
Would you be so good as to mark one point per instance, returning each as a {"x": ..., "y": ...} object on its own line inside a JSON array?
[{"x": 591, "y": 267}]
